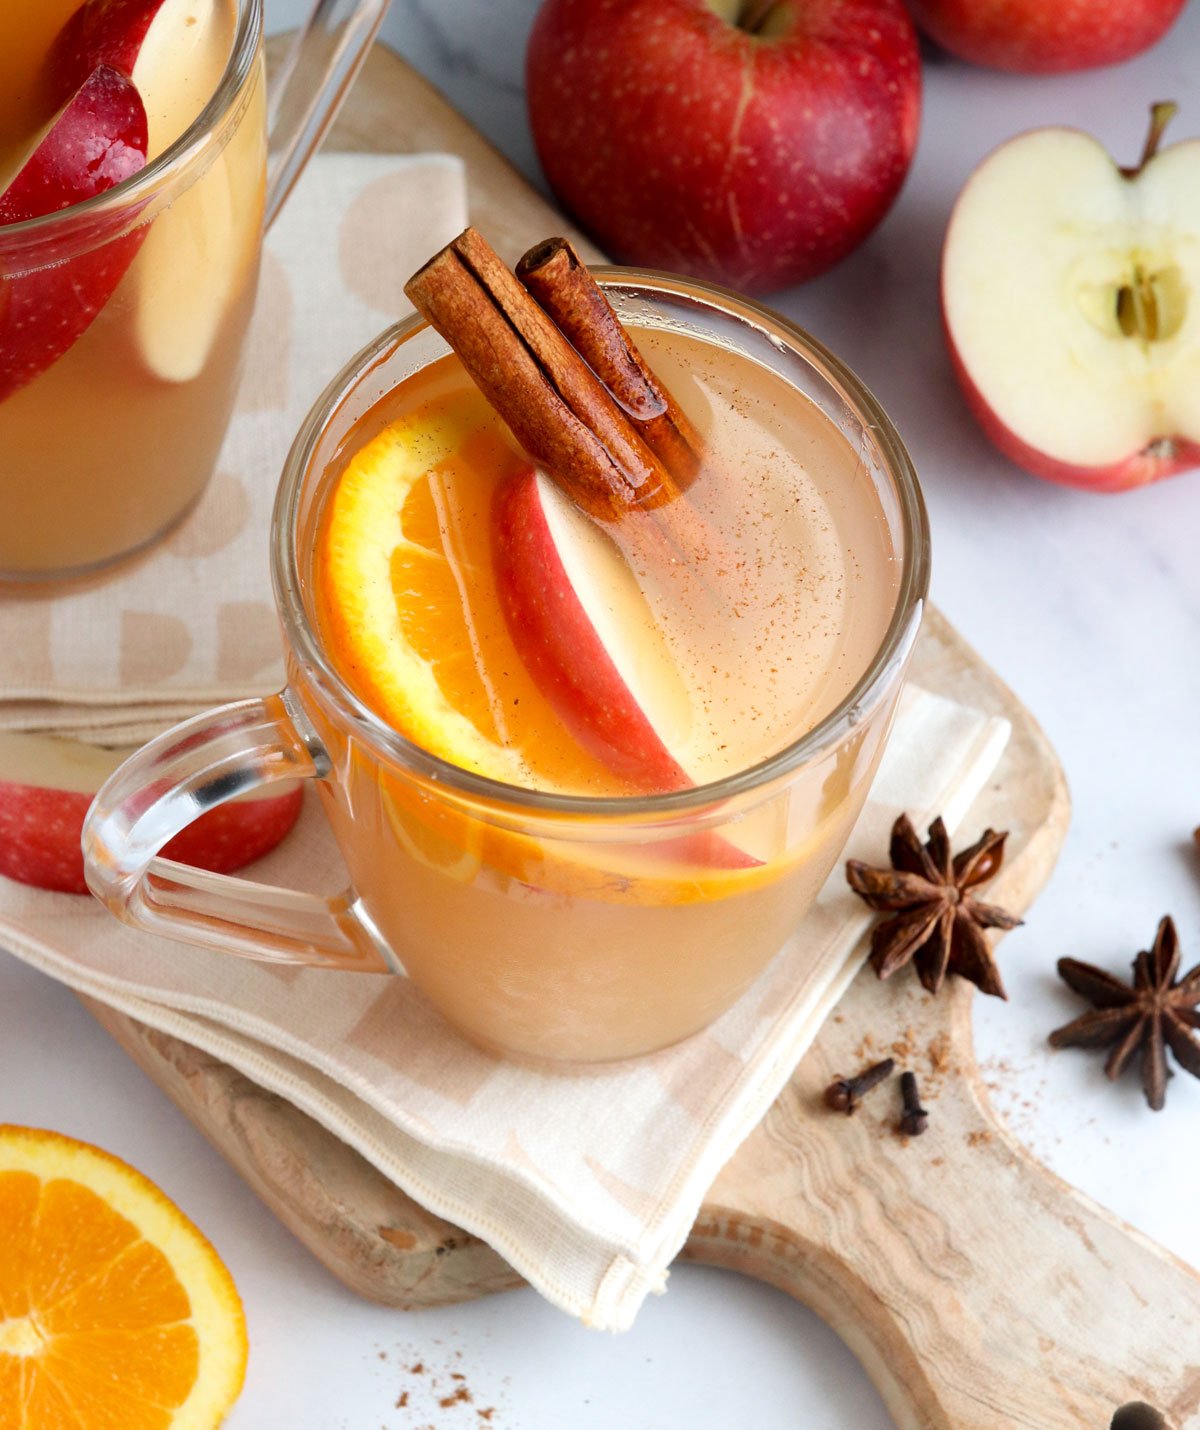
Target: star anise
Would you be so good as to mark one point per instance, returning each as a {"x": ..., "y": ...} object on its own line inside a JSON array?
[
  {"x": 938, "y": 924},
  {"x": 1158, "y": 1010}
]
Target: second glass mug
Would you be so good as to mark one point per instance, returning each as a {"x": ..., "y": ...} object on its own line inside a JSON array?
[
  {"x": 542, "y": 925},
  {"x": 106, "y": 446}
]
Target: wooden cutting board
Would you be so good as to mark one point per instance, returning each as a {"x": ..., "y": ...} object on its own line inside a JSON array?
[{"x": 977, "y": 1289}]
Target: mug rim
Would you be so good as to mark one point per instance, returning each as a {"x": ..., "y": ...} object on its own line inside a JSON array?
[
  {"x": 190, "y": 146},
  {"x": 850, "y": 711}
]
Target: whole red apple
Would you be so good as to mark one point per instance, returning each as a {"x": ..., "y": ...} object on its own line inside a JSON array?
[
  {"x": 1069, "y": 294},
  {"x": 1039, "y": 37},
  {"x": 752, "y": 142}
]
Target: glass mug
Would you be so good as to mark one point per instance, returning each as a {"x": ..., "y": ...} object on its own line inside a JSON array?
[
  {"x": 111, "y": 441},
  {"x": 544, "y": 925}
]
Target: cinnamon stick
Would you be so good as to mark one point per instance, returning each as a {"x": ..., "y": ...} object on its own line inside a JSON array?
[
  {"x": 556, "y": 406},
  {"x": 557, "y": 277}
]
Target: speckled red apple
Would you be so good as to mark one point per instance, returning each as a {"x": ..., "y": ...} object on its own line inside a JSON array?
[
  {"x": 752, "y": 142},
  {"x": 1045, "y": 36}
]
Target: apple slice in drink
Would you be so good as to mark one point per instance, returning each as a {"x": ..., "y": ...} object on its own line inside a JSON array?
[
  {"x": 587, "y": 636},
  {"x": 95, "y": 141},
  {"x": 197, "y": 251},
  {"x": 174, "y": 51},
  {"x": 1071, "y": 297},
  {"x": 47, "y": 785}
]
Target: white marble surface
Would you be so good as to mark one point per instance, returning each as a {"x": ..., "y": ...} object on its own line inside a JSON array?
[{"x": 1088, "y": 606}]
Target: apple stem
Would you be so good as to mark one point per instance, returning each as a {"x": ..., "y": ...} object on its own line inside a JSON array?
[
  {"x": 753, "y": 15},
  {"x": 1161, "y": 114}
]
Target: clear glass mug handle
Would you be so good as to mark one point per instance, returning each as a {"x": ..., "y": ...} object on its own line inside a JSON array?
[
  {"x": 166, "y": 786},
  {"x": 324, "y": 58}
]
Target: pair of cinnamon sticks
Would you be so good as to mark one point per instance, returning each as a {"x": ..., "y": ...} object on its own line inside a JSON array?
[{"x": 549, "y": 353}]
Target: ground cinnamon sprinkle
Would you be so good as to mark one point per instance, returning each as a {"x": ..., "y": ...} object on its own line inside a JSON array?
[
  {"x": 438, "y": 1390},
  {"x": 938, "y": 1053}
]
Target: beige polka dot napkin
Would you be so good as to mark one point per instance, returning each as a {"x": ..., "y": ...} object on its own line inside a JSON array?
[
  {"x": 191, "y": 624},
  {"x": 586, "y": 1181}
]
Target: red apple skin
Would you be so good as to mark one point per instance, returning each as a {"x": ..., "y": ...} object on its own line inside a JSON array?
[
  {"x": 1165, "y": 458},
  {"x": 560, "y": 647},
  {"x": 98, "y": 140},
  {"x": 40, "y": 830},
  {"x": 1045, "y": 36},
  {"x": 681, "y": 142}
]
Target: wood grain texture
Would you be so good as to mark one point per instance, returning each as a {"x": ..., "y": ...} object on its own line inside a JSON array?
[{"x": 978, "y": 1290}]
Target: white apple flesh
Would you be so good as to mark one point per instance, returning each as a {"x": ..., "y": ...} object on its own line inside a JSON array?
[
  {"x": 47, "y": 785},
  {"x": 195, "y": 252},
  {"x": 95, "y": 141},
  {"x": 1071, "y": 298}
]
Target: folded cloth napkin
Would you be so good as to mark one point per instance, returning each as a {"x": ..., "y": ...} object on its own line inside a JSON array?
[
  {"x": 191, "y": 623},
  {"x": 586, "y": 1184}
]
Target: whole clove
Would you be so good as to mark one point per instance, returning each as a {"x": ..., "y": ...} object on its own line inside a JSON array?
[
  {"x": 845, "y": 1093},
  {"x": 914, "y": 1119}
]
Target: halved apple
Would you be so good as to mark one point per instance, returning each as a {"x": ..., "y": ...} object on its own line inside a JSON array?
[
  {"x": 196, "y": 251},
  {"x": 47, "y": 785},
  {"x": 1071, "y": 298},
  {"x": 95, "y": 141}
]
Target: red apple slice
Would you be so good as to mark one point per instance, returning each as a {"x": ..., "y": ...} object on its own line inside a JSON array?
[
  {"x": 47, "y": 785},
  {"x": 175, "y": 51},
  {"x": 587, "y": 637},
  {"x": 586, "y": 634},
  {"x": 1071, "y": 296},
  {"x": 197, "y": 251},
  {"x": 97, "y": 140}
]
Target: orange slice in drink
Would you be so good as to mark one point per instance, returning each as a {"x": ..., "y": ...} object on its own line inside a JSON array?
[{"x": 114, "y": 1309}]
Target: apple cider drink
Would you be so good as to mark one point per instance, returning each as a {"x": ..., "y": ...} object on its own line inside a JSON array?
[
  {"x": 472, "y": 605},
  {"x": 121, "y": 320}
]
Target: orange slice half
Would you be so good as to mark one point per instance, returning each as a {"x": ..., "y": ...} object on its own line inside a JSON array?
[{"x": 115, "y": 1312}]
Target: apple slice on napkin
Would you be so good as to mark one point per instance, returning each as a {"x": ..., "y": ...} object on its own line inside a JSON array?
[
  {"x": 94, "y": 142},
  {"x": 47, "y": 785}
]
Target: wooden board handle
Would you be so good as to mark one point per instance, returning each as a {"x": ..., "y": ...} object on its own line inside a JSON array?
[{"x": 977, "y": 1288}]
